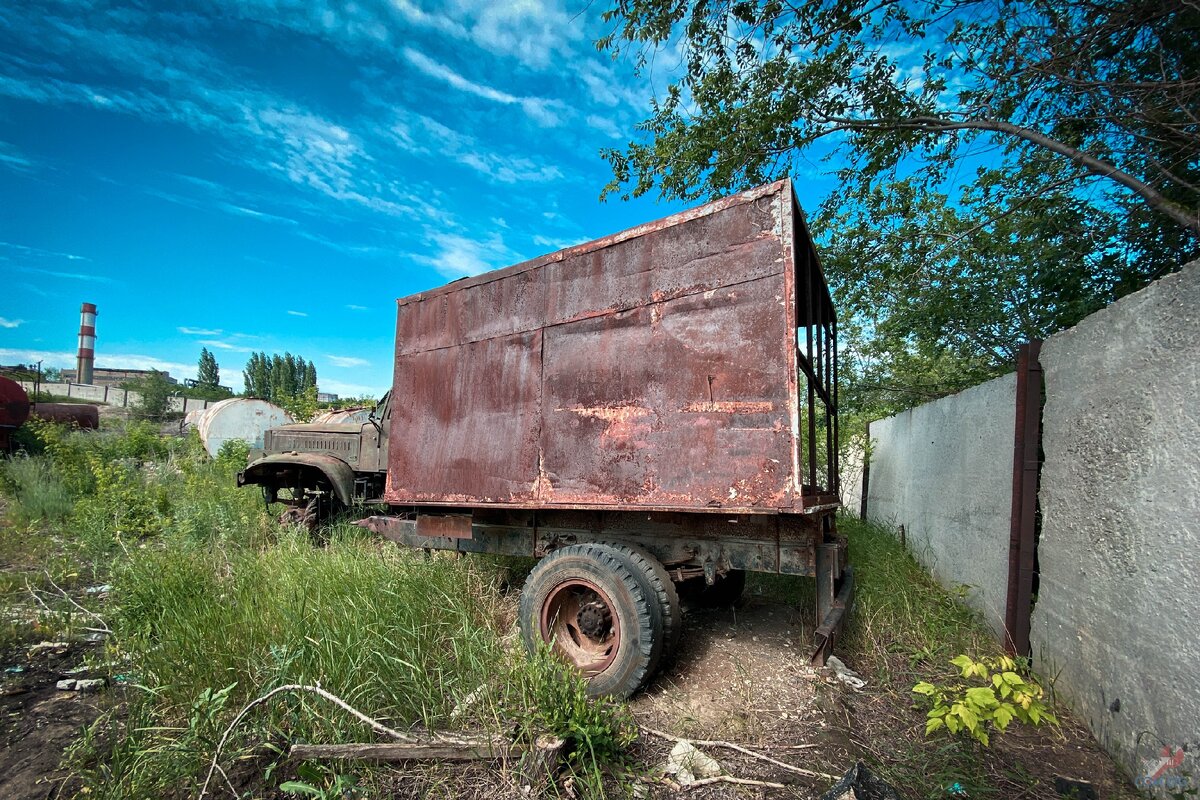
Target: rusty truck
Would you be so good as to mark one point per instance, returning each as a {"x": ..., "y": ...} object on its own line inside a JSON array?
[{"x": 650, "y": 408}]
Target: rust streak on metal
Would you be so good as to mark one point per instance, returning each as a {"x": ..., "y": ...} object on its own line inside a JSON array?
[{"x": 729, "y": 407}]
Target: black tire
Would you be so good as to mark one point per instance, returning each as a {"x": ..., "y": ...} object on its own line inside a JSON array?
[
  {"x": 654, "y": 576},
  {"x": 591, "y": 606},
  {"x": 725, "y": 593}
]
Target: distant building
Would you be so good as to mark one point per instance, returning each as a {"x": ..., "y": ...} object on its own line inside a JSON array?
[
  {"x": 113, "y": 377},
  {"x": 326, "y": 397}
]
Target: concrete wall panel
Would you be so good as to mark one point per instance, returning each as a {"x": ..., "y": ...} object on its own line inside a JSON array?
[
  {"x": 1116, "y": 617},
  {"x": 944, "y": 471}
]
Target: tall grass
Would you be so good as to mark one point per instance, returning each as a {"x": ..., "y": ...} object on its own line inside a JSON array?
[
  {"x": 214, "y": 604},
  {"x": 35, "y": 490}
]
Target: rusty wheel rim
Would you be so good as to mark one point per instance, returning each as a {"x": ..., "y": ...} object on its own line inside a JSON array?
[{"x": 581, "y": 623}]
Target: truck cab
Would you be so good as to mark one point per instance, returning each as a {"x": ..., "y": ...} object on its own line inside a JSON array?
[{"x": 319, "y": 468}]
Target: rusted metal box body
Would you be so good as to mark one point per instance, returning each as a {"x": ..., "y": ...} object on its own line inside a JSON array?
[{"x": 656, "y": 369}]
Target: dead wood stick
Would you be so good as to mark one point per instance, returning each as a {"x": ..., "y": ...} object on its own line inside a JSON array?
[
  {"x": 730, "y": 779},
  {"x": 376, "y": 725},
  {"x": 745, "y": 751},
  {"x": 482, "y": 749}
]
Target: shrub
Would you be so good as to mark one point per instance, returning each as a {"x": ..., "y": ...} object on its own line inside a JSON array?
[{"x": 991, "y": 695}]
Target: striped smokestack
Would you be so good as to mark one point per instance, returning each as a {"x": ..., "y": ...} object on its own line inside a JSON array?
[{"x": 87, "y": 343}]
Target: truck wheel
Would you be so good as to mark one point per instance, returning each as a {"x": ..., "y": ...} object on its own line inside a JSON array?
[
  {"x": 654, "y": 575},
  {"x": 588, "y": 603}
]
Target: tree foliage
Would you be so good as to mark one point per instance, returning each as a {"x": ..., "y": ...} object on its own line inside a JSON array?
[
  {"x": 1002, "y": 169},
  {"x": 1113, "y": 87},
  {"x": 156, "y": 391},
  {"x": 208, "y": 374},
  {"x": 279, "y": 379}
]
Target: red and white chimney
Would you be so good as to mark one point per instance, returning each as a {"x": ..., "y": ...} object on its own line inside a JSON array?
[{"x": 87, "y": 343}]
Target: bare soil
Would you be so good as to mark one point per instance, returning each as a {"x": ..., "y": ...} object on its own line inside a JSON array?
[{"x": 38, "y": 722}]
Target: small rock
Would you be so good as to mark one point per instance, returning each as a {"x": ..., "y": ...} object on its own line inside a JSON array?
[
  {"x": 845, "y": 674},
  {"x": 93, "y": 685},
  {"x": 66, "y": 685},
  {"x": 689, "y": 764},
  {"x": 103, "y": 588},
  {"x": 95, "y": 636},
  {"x": 76, "y": 671},
  {"x": 48, "y": 647}
]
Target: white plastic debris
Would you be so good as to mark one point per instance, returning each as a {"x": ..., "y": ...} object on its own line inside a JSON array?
[
  {"x": 688, "y": 764},
  {"x": 845, "y": 674},
  {"x": 48, "y": 647}
]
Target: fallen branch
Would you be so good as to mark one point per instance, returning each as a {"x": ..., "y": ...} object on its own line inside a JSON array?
[
  {"x": 484, "y": 749},
  {"x": 731, "y": 779},
  {"x": 376, "y": 725},
  {"x": 745, "y": 751}
]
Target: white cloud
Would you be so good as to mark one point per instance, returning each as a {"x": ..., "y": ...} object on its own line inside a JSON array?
[
  {"x": 552, "y": 243},
  {"x": 199, "y": 331},
  {"x": 53, "y": 273},
  {"x": 10, "y": 323},
  {"x": 343, "y": 389},
  {"x": 218, "y": 344},
  {"x": 14, "y": 159},
  {"x": 37, "y": 251},
  {"x": 418, "y": 133},
  {"x": 348, "y": 361},
  {"x": 461, "y": 256},
  {"x": 353, "y": 307},
  {"x": 547, "y": 113},
  {"x": 604, "y": 125},
  {"x": 298, "y": 313},
  {"x": 103, "y": 360}
]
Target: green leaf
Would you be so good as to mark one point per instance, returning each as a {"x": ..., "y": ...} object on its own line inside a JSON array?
[
  {"x": 298, "y": 787},
  {"x": 924, "y": 688},
  {"x": 964, "y": 663},
  {"x": 1002, "y": 716},
  {"x": 982, "y": 696},
  {"x": 933, "y": 724}
]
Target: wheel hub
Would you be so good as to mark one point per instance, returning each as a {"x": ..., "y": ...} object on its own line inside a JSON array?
[{"x": 594, "y": 620}]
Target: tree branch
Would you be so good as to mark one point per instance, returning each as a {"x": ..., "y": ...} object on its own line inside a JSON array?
[{"x": 1185, "y": 217}]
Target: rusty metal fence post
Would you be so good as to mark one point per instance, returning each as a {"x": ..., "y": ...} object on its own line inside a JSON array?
[{"x": 1022, "y": 540}]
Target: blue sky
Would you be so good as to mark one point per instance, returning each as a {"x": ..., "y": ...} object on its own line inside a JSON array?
[{"x": 272, "y": 175}]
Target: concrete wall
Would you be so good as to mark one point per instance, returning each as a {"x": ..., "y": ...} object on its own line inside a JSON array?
[
  {"x": 944, "y": 471},
  {"x": 112, "y": 396},
  {"x": 1118, "y": 608}
]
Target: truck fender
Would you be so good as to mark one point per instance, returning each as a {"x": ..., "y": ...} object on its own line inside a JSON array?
[{"x": 337, "y": 472}]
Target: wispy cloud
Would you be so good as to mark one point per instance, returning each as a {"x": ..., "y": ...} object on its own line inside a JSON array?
[
  {"x": 106, "y": 360},
  {"x": 10, "y": 323},
  {"x": 53, "y": 273},
  {"x": 348, "y": 361},
  {"x": 605, "y": 125},
  {"x": 14, "y": 159},
  {"x": 37, "y": 251},
  {"x": 199, "y": 331},
  {"x": 419, "y": 134},
  {"x": 220, "y": 345},
  {"x": 354, "y": 307},
  {"x": 298, "y": 313},
  {"x": 548, "y": 113},
  {"x": 350, "y": 389},
  {"x": 461, "y": 256},
  {"x": 552, "y": 243}
]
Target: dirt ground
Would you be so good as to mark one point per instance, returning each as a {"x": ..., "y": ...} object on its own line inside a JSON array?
[
  {"x": 742, "y": 676},
  {"x": 38, "y": 722}
]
